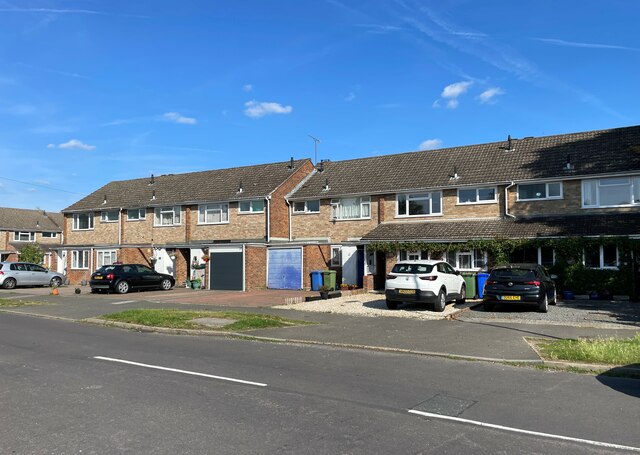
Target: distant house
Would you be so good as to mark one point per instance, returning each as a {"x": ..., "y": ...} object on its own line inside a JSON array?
[{"x": 19, "y": 227}]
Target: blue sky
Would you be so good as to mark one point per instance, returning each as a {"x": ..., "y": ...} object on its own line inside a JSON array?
[{"x": 95, "y": 90}]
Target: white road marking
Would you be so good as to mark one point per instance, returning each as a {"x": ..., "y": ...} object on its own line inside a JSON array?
[
  {"x": 175, "y": 370},
  {"x": 122, "y": 302},
  {"x": 518, "y": 430}
]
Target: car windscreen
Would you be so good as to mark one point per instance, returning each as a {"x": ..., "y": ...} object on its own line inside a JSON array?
[
  {"x": 412, "y": 268},
  {"x": 513, "y": 274}
]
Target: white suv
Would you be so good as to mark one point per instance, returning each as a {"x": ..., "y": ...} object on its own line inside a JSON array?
[{"x": 434, "y": 282}]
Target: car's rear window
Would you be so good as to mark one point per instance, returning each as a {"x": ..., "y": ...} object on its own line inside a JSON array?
[
  {"x": 106, "y": 268},
  {"x": 513, "y": 274},
  {"x": 412, "y": 268}
]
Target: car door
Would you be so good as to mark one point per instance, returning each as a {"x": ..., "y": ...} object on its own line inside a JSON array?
[
  {"x": 453, "y": 286},
  {"x": 21, "y": 273},
  {"x": 39, "y": 275},
  {"x": 148, "y": 277},
  {"x": 549, "y": 285}
]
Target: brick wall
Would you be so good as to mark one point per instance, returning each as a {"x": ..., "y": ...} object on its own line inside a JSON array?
[
  {"x": 4, "y": 240},
  {"x": 240, "y": 226},
  {"x": 314, "y": 257},
  {"x": 101, "y": 234},
  {"x": 137, "y": 231},
  {"x": 255, "y": 267},
  {"x": 279, "y": 215},
  {"x": 320, "y": 225}
]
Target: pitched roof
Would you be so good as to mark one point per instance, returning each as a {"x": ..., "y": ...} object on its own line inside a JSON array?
[
  {"x": 591, "y": 152},
  {"x": 460, "y": 230},
  {"x": 30, "y": 220},
  {"x": 206, "y": 186}
]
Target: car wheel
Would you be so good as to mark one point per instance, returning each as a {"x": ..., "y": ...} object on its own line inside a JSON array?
[
  {"x": 9, "y": 283},
  {"x": 55, "y": 282},
  {"x": 488, "y": 306},
  {"x": 392, "y": 305},
  {"x": 122, "y": 287},
  {"x": 543, "y": 307},
  {"x": 463, "y": 295},
  {"x": 165, "y": 285},
  {"x": 441, "y": 302}
]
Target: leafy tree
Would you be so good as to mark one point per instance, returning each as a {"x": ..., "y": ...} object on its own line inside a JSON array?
[{"x": 32, "y": 252}]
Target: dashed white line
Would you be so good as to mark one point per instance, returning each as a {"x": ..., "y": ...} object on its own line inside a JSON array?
[
  {"x": 175, "y": 370},
  {"x": 122, "y": 302},
  {"x": 529, "y": 432}
]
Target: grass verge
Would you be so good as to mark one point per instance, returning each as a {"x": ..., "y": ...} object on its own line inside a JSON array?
[
  {"x": 606, "y": 351},
  {"x": 180, "y": 319},
  {"x": 12, "y": 303}
]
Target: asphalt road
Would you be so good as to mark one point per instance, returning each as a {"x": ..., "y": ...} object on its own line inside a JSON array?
[{"x": 56, "y": 397}]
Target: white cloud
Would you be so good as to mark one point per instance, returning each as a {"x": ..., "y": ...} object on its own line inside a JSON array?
[
  {"x": 430, "y": 144},
  {"x": 177, "y": 118},
  {"x": 247, "y": 87},
  {"x": 51, "y": 146},
  {"x": 452, "y": 104},
  {"x": 451, "y": 93},
  {"x": 75, "y": 144},
  {"x": 560, "y": 42},
  {"x": 350, "y": 97},
  {"x": 487, "y": 96},
  {"x": 255, "y": 109}
]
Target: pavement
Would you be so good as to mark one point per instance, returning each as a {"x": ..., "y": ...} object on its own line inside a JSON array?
[{"x": 459, "y": 336}]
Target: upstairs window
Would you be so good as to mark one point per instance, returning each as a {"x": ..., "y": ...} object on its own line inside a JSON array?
[
  {"x": 306, "y": 207},
  {"x": 477, "y": 195},
  {"x": 136, "y": 214},
  {"x": 24, "y": 236},
  {"x": 611, "y": 192},
  {"x": 213, "y": 213},
  {"x": 49, "y": 235},
  {"x": 167, "y": 216},
  {"x": 419, "y": 204},
  {"x": 540, "y": 191},
  {"x": 351, "y": 208},
  {"x": 82, "y": 221},
  {"x": 110, "y": 216},
  {"x": 256, "y": 206}
]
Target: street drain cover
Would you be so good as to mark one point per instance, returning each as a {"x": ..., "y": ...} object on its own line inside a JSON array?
[
  {"x": 444, "y": 405},
  {"x": 213, "y": 322}
]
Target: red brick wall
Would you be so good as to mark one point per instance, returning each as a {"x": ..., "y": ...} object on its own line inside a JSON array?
[
  {"x": 315, "y": 257},
  {"x": 279, "y": 215},
  {"x": 255, "y": 268}
]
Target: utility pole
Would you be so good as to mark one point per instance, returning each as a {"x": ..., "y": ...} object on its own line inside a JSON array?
[{"x": 315, "y": 148}]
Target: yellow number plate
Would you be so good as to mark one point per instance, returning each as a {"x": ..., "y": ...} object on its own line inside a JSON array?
[
  {"x": 510, "y": 297},
  {"x": 406, "y": 291},
  {"x": 97, "y": 277}
]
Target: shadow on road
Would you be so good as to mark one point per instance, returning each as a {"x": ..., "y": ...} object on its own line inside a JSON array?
[{"x": 622, "y": 380}]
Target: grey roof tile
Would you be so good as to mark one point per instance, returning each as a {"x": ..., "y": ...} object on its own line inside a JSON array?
[
  {"x": 206, "y": 186},
  {"x": 30, "y": 220},
  {"x": 591, "y": 152}
]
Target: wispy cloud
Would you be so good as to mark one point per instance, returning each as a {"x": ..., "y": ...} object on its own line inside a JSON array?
[
  {"x": 451, "y": 93},
  {"x": 350, "y": 97},
  {"x": 67, "y": 11},
  {"x": 430, "y": 144},
  {"x": 255, "y": 109},
  {"x": 73, "y": 144},
  {"x": 52, "y": 71},
  {"x": 487, "y": 97},
  {"x": 380, "y": 28},
  {"x": 561, "y": 42},
  {"x": 247, "y": 87},
  {"x": 178, "y": 118}
]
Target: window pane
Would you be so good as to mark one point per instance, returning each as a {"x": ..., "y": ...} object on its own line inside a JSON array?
[
  {"x": 536, "y": 191},
  {"x": 636, "y": 190},
  {"x": 615, "y": 195},
  {"x": 609, "y": 256},
  {"x": 451, "y": 257},
  {"x": 487, "y": 194},
  {"x": 554, "y": 189},
  {"x": 403, "y": 255},
  {"x": 313, "y": 206},
  {"x": 258, "y": 206},
  {"x": 166, "y": 218},
  {"x": 546, "y": 254},
  {"x": 424, "y": 255},
  {"x": 614, "y": 181},
  {"x": 402, "y": 204},
  {"x": 436, "y": 202},
  {"x": 464, "y": 260},
  {"x": 466, "y": 196},
  {"x": 478, "y": 259},
  {"x": 592, "y": 257},
  {"x": 349, "y": 208},
  {"x": 589, "y": 191},
  {"x": 133, "y": 214},
  {"x": 245, "y": 206},
  {"x": 176, "y": 217},
  {"x": 419, "y": 207},
  {"x": 366, "y": 209},
  {"x": 298, "y": 206}
]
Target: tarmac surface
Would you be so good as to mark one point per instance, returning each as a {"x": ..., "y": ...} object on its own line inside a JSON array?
[{"x": 463, "y": 335}]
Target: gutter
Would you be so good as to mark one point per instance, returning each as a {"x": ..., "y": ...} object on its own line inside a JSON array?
[
  {"x": 268, "y": 199},
  {"x": 289, "y": 211},
  {"x": 506, "y": 200}
]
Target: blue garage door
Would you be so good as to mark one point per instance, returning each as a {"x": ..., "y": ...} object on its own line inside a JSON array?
[{"x": 285, "y": 268}]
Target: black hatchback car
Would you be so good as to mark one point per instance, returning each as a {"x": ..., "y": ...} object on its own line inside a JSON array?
[
  {"x": 122, "y": 278},
  {"x": 520, "y": 283}
]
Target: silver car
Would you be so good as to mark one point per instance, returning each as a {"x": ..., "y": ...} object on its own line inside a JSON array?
[{"x": 14, "y": 274}]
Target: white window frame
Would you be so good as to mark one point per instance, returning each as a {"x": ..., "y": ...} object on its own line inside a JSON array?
[
  {"x": 601, "y": 265},
  {"x": 51, "y": 235},
  {"x": 337, "y": 210},
  {"x": 76, "y": 221},
  {"x": 414, "y": 196},
  {"x": 251, "y": 208},
  {"x": 80, "y": 259},
  {"x": 306, "y": 207},
  {"x": 338, "y": 257},
  {"x": 104, "y": 216},
  {"x": 100, "y": 257},
  {"x": 17, "y": 234},
  {"x": 159, "y": 211},
  {"x": 474, "y": 258},
  {"x": 633, "y": 181},
  {"x": 478, "y": 201},
  {"x": 142, "y": 214},
  {"x": 546, "y": 189},
  {"x": 206, "y": 209}
]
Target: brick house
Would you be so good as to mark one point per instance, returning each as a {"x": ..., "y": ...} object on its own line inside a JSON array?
[
  {"x": 19, "y": 227},
  {"x": 231, "y": 221},
  {"x": 570, "y": 185}
]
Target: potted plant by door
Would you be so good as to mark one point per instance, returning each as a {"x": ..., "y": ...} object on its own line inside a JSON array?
[{"x": 324, "y": 292}]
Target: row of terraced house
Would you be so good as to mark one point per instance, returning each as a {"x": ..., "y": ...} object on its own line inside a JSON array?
[{"x": 270, "y": 225}]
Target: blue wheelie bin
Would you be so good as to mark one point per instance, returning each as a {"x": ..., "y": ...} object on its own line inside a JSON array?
[
  {"x": 482, "y": 279},
  {"x": 316, "y": 280}
]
